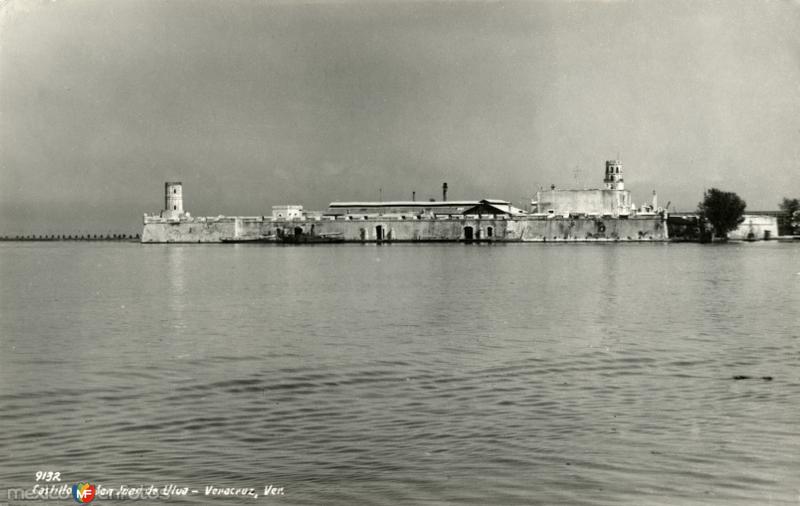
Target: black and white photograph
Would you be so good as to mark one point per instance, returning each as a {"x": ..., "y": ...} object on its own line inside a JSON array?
[{"x": 400, "y": 252}]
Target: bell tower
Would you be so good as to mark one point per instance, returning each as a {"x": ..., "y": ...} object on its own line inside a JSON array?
[{"x": 613, "y": 179}]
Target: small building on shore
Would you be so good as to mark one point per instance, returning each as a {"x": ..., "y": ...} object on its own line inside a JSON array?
[{"x": 756, "y": 227}]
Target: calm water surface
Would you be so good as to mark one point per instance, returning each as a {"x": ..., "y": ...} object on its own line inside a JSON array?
[{"x": 406, "y": 374}]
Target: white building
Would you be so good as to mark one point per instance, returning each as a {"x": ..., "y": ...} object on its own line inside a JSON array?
[
  {"x": 288, "y": 212},
  {"x": 756, "y": 227}
]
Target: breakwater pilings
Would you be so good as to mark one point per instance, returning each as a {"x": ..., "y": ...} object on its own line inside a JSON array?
[{"x": 71, "y": 237}]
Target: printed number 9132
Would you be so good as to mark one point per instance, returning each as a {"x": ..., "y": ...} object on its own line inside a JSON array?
[{"x": 48, "y": 476}]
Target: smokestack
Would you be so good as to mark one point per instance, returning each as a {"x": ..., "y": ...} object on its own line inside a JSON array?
[
  {"x": 444, "y": 192},
  {"x": 413, "y": 196}
]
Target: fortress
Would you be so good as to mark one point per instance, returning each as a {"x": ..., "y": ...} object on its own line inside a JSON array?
[{"x": 589, "y": 215}]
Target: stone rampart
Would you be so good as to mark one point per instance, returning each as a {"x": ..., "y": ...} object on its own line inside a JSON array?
[{"x": 388, "y": 229}]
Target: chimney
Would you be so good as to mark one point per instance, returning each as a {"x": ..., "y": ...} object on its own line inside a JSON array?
[
  {"x": 444, "y": 192},
  {"x": 413, "y": 196}
]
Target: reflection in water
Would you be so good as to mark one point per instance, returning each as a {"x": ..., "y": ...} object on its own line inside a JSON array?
[
  {"x": 176, "y": 276},
  {"x": 609, "y": 301}
]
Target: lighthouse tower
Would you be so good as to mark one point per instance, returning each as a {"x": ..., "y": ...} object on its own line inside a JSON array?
[
  {"x": 173, "y": 200},
  {"x": 613, "y": 179}
]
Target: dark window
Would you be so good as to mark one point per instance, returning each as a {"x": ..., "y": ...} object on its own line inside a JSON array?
[{"x": 174, "y": 208}]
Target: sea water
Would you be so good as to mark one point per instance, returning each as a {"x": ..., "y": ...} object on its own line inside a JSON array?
[{"x": 404, "y": 374}]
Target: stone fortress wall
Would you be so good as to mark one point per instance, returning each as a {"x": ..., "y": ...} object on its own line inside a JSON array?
[
  {"x": 561, "y": 215},
  {"x": 500, "y": 229}
]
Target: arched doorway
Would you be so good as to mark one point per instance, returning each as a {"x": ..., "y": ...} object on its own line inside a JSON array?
[
  {"x": 469, "y": 233},
  {"x": 379, "y": 232},
  {"x": 298, "y": 231},
  {"x": 489, "y": 232}
]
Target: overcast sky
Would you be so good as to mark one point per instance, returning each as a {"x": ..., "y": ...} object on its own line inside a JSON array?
[{"x": 253, "y": 104}]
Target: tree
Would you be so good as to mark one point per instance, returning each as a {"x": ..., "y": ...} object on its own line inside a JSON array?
[
  {"x": 790, "y": 206},
  {"x": 792, "y": 209},
  {"x": 724, "y": 211}
]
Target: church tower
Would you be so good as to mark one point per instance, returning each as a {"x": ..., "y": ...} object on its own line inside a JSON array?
[{"x": 613, "y": 179}]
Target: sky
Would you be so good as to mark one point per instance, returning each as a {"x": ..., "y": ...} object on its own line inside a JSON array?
[{"x": 258, "y": 103}]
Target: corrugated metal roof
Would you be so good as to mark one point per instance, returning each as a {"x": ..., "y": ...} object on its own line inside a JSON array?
[{"x": 412, "y": 203}]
